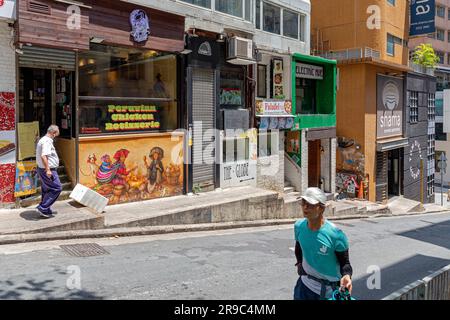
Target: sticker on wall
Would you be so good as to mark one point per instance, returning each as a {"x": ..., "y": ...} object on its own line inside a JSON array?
[
  {"x": 277, "y": 71},
  {"x": 140, "y": 25},
  {"x": 7, "y": 179},
  {"x": 7, "y": 147},
  {"x": 7, "y": 111},
  {"x": 26, "y": 179}
]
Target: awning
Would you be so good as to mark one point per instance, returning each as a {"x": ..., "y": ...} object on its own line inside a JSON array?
[
  {"x": 8, "y": 10},
  {"x": 391, "y": 144},
  {"x": 322, "y": 133}
]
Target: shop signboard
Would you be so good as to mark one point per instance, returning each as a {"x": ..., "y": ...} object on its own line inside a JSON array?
[
  {"x": 389, "y": 106},
  {"x": 423, "y": 14},
  {"x": 273, "y": 108},
  {"x": 239, "y": 172},
  {"x": 7, "y": 10},
  {"x": 309, "y": 71}
]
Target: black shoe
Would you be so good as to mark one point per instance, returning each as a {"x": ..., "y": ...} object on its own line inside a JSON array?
[{"x": 44, "y": 215}]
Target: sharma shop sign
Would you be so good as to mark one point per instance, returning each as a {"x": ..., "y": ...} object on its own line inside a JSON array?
[
  {"x": 389, "y": 106},
  {"x": 309, "y": 71}
]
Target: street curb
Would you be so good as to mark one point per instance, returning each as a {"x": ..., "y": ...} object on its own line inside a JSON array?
[
  {"x": 147, "y": 231},
  {"x": 158, "y": 230}
]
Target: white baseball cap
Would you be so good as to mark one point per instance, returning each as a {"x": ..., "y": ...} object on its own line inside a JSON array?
[{"x": 314, "y": 196}]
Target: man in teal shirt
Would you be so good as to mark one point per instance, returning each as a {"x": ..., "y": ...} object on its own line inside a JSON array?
[{"x": 321, "y": 250}]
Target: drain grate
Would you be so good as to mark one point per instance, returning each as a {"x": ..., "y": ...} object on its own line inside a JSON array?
[{"x": 84, "y": 250}]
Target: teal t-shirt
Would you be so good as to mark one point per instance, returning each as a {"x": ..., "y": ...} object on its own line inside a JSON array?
[{"x": 319, "y": 247}]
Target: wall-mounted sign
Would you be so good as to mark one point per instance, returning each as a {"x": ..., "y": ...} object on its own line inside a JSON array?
[
  {"x": 415, "y": 156},
  {"x": 308, "y": 71},
  {"x": 277, "y": 81},
  {"x": 239, "y": 172},
  {"x": 273, "y": 108},
  {"x": 389, "y": 106},
  {"x": 140, "y": 25},
  {"x": 205, "y": 49},
  {"x": 423, "y": 14},
  {"x": 7, "y": 9},
  {"x": 132, "y": 118}
]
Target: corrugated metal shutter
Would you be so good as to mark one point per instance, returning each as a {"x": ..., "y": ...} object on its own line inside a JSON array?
[
  {"x": 382, "y": 176},
  {"x": 203, "y": 109},
  {"x": 46, "y": 58}
]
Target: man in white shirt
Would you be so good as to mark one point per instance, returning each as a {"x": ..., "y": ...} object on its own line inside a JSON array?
[{"x": 48, "y": 162}]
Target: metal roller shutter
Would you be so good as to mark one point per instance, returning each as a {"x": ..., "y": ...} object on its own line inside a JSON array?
[
  {"x": 46, "y": 58},
  {"x": 203, "y": 109},
  {"x": 382, "y": 176}
]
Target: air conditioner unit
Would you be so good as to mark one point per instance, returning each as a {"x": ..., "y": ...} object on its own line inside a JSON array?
[{"x": 240, "y": 51}]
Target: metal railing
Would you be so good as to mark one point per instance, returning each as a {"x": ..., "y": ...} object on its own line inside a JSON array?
[
  {"x": 355, "y": 53},
  {"x": 433, "y": 287},
  {"x": 421, "y": 69}
]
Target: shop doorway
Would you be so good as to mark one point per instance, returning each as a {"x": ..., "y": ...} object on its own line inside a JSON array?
[
  {"x": 314, "y": 163},
  {"x": 395, "y": 160}
]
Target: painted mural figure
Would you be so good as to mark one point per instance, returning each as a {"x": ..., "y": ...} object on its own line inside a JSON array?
[
  {"x": 155, "y": 169},
  {"x": 106, "y": 172}
]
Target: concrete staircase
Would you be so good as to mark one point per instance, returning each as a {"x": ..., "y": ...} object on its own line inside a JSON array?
[
  {"x": 36, "y": 199},
  {"x": 400, "y": 204}
]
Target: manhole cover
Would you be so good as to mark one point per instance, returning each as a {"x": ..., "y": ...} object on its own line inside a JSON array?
[{"x": 84, "y": 250}]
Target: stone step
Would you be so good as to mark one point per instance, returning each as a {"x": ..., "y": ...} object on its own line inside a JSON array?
[
  {"x": 63, "y": 178},
  {"x": 66, "y": 186},
  {"x": 288, "y": 189},
  {"x": 35, "y": 200}
]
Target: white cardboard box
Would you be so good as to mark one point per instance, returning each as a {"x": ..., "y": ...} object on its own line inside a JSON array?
[{"x": 89, "y": 198}]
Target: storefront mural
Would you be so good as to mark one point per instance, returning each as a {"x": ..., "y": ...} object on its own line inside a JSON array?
[
  {"x": 125, "y": 170},
  {"x": 7, "y": 178}
]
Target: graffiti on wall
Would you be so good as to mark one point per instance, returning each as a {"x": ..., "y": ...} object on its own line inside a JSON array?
[
  {"x": 350, "y": 178},
  {"x": 351, "y": 156}
]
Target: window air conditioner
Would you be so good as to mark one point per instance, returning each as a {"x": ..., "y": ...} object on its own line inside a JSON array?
[{"x": 240, "y": 51}]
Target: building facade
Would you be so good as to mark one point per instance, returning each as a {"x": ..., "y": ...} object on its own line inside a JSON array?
[
  {"x": 373, "y": 62},
  {"x": 7, "y": 103}
]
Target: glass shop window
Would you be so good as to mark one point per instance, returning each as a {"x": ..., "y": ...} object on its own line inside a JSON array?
[
  {"x": 232, "y": 89},
  {"x": 125, "y": 90},
  {"x": 306, "y": 96}
]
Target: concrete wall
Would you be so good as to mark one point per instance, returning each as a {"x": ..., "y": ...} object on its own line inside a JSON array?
[
  {"x": 287, "y": 83},
  {"x": 342, "y": 24},
  {"x": 418, "y": 138},
  {"x": 270, "y": 169}
]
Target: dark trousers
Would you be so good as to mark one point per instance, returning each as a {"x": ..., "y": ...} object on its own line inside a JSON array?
[
  {"x": 51, "y": 189},
  {"x": 302, "y": 292}
]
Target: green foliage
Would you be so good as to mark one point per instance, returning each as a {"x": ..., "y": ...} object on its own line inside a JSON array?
[{"x": 424, "y": 55}]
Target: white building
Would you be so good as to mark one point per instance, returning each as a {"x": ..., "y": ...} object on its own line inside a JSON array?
[
  {"x": 443, "y": 134},
  {"x": 276, "y": 29}
]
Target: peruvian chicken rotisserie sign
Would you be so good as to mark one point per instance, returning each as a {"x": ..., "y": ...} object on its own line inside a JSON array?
[{"x": 389, "y": 106}]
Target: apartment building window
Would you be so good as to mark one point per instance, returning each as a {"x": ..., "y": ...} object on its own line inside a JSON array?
[
  {"x": 278, "y": 20},
  {"x": 431, "y": 107},
  {"x": 201, "y": 3},
  {"x": 430, "y": 185},
  {"x": 390, "y": 45},
  {"x": 232, "y": 7},
  {"x": 237, "y": 8},
  {"x": 271, "y": 18},
  {"x": 441, "y": 56},
  {"x": 413, "y": 107},
  {"x": 440, "y": 11},
  {"x": 440, "y": 134},
  {"x": 440, "y": 35},
  {"x": 262, "y": 81},
  {"x": 392, "y": 2},
  {"x": 290, "y": 24},
  {"x": 448, "y": 14}
]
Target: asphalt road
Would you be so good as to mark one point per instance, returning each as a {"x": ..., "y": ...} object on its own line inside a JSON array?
[{"x": 255, "y": 263}]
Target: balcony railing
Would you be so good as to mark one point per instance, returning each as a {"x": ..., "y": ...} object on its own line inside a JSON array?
[
  {"x": 349, "y": 54},
  {"x": 421, "y": 69}
]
